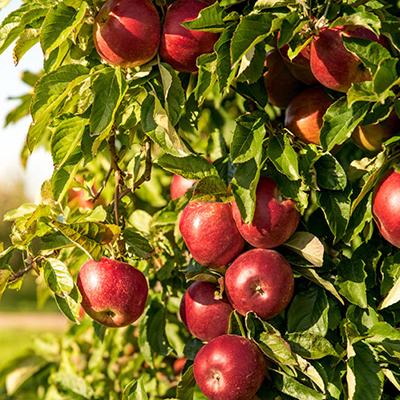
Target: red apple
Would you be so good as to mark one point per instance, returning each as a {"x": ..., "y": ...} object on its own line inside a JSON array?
[
  {"x": 210, "y": 233},
  {"x": 113, "y": 292},
  {"x": 205, "y": 316},
  {"x": 127, "y": 32},
  {"x": 180, "y": 47},
  {"x": 229, "y": 367},
  {"x": 300, "y": 65},
  {"x": 179, "y": 186},
  {"x": 386, "y": 208},
  {"x": 304, "y": 114},
  {"x": 280, "y": 84},
  {"x": 261, "y": 281},
  {"x": 179, "y": 365},
  {"x": 370, "y": 137},
  {"x": 331, "y": 63},
  {"x": 275, "y": 220}
]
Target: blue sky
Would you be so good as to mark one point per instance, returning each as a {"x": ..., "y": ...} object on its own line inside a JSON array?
[{"x": 12, "y": 137}]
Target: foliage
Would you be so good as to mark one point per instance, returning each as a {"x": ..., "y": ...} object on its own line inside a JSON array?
[{"x": 110, "y": 130}]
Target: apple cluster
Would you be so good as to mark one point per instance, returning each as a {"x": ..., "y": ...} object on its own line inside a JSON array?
[
  {"x": 300, "y": 85},
  {"x": 128, "y": 33},
  {"x": 259, "y": 280}
]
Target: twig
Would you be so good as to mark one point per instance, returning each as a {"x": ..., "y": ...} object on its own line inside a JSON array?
[
  {"x": 116, "y": 195},
  {"x": 114, "y": 156},
  {"x": 19, "y": 274},
  {"x": 98, "y": 194}
]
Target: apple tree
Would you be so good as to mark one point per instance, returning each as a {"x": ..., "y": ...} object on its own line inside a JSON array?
[{"x": 223, "y": 219}]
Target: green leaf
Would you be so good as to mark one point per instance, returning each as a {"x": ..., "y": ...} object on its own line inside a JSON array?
[
  {"x": 351, "y": 281},
  {"x": 251, "y": 30},
  {"x": 73, "y": 384},
  {"x": 109, "y": 88},
  {"x": 336, "y": 208},
  {"x": 390, "y": 286},
  {"x": 330, "y": 174},
  {"x": 340, "y": 120},
  {"x": 135, "y": 390},
  {"x": 308, "y": 246},
  {"x": 247, "y": 138},
  {"x": 295, "y": 389},
  {"x": 222, "y": 49},
  {"x": 70, "y": 305},
  {"x": 58, "y": 277},
  {"x": 27, "y": 39},
  {"x": 185, "y": 388},
  {"x": 311, "y": 346},
  {"x": 308, "y": 312},
  {"x": 361, "y": 18},
  {"x": 283, "y": 156},
  {"x": 190, "y": 167},
  {"x": 263, "y": 4},
  {"x": 60, "y": 23},
  {"x": 66, "y": 139},
  {"x": 364, "y": 376},
  {"x": 136, "y": 243},
  {"x": 210, "y": 19},
  {"x": 4, "y": 276},
  {"x": 211, "y": 185}
]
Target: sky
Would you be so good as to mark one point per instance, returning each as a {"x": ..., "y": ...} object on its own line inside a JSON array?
[{"x": 12, "y": 137}]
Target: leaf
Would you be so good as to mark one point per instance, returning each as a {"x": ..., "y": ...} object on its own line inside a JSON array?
[
  {"x": 70, "y": 305},
  {"x": 27, "y": 39},
  {"x": 262, "y": 4},
  {"x": 283, "y": 156},
  {"x": 136, "y": 243},
  {"x": 222, "y": 49},
  {"x": 308, "y": 246},
  {"x": 251, "y": 30},
  {"x": 190, "y": 167},
  {"x": 109, "y": 88},
  {"x": 135, "y": 390},
  {"x": 185, "y": 388},
  {"x": 4, "y": 276},
  {"x": 390, "y": 286},
  {"x": 58, "y": 277},
  {"x": 330, "y": 174},
  {"x": 361, "y": 18},
  {"x": 364, "y": 376},
  {"x": 392, "y": 297},
  {"x": 295, "y": 389},
  {"x": 308, "y": 312},
  {"x": 59, "y": 24},
  {"x": 340, "y": 120},
  {"x": 73, "y": 384},
  {"x": 351, "y": 281},
  {"x": 210, "y": 19},
  {"x": 66, "y": 139},
  {"x": 311, "y": 346}
]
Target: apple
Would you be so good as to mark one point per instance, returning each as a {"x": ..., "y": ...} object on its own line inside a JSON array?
[
  {"x": 275, "y": 220},
  {"x": 300, "y": 65},
  {"x": 331, "y": 63},
  {"x": 371, "y": 137},
  {"x": 261, "y": 281},
  {"x": 230, "y": 367},
  {"x": 204, "y": 315},
  {"x": 386, "y": 207},
  {"x": 179, "y": 186},
  {"x": 280, "y": 84},
  {"x": 303, "y": 116},
  {"x": 77, "y": 198},
  {"x": 127, "y": 32},
  {"x": 113, "y": 292},
  {"x": 179, "y": 365},
  {"x": 210, "y": 233},
  {"x": 180, "y": 47}
]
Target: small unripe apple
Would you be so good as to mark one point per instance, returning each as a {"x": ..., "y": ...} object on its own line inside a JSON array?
[
  {"x": 261, "y": 281},
  {"x": 304, "y": 114},
  {"x": 127, "y": 32},
  {"x": 331, "y": 63},
  {"x": 371, "y": 137},
  {"x": 179, "y": 186},
  {"x": 386, "y": 207},
  {"x": 300, "y": 65},
  {"x": 210, "y": 233},
  {"x": 180, "y": 47},
  {"x": 229, "y": 367},
  {"x": 113, "y": 292},
  {"x": 204, "y": 315},
  {"x": 275, "y": 219},
  {"x": 280, "y": 84}
]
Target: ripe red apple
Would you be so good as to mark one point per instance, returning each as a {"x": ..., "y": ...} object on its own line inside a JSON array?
[
  {"x": 180, "y": 47},
  {"x": 127, "y": 32},
  {"x": 300, "y": 65},
  {"x": 179, "y": 186},
  {"x": 210, "y": 233},
  {"x": 280, "y": 84},
  {"x": 386, "y": 208},
  {"x": 275, "y": 220},
  {"x": 229, "y": 367},
  {"x": 261, "y": 281},
  {"x": 304, "y": 114},
  {"x": 331, "y": 63},
  {"x": 179, "y": 365},
  {"x": 205, "y": 316},
  {"x": 370, "y": 137},
  {"x": 113, "y": 292}
]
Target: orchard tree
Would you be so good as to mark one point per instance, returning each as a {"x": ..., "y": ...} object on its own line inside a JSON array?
[{"x": 223, "y": 220}]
